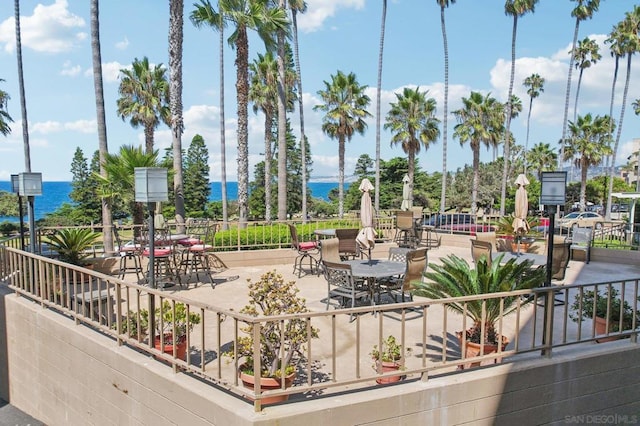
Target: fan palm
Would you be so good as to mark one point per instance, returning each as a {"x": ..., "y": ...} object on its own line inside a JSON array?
[
  {"x": 344, "y": 104},
  {"x": 413, "y": 124},
  {"x": 5, "y": 118},
  {"x": 144, "y": 98},
  {"x": 455, "y": 278},
  {"x": 535, "y": 85},
  {"x": 586, "y": 54},
  {"x": 542, "y": 158}
]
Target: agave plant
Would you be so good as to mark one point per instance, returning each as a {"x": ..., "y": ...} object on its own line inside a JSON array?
[
  {"x": 72, "y": 243},
  {"x": 456, "y": 278}
]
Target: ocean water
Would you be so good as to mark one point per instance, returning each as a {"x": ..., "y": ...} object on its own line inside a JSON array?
[{"x": 54, "y": 194}]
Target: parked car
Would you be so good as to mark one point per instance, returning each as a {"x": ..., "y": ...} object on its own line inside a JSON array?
[
  {"x": 457, "y": 222},
  {"x": 581, "y": 219}
]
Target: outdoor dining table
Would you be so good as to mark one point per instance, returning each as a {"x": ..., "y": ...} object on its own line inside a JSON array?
[
  {"x": 537, "y": 259},
  {"x": 371, "y": 270},
  {"x": 325, "y": 233}
]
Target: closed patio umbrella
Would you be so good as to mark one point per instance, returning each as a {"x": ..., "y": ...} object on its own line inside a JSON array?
[
  {"x": 406, "y": 201},
  {"x": 367, "y": 235},
  {"x": 520, "y": 224}
]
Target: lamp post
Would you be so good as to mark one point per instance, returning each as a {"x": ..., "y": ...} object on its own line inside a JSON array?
[
  {"x": 30, "y": 185},
  {"x": 15, "y": 188},
  {"x": 151, "y": 187},
  {"x": 552, "y": 195}
]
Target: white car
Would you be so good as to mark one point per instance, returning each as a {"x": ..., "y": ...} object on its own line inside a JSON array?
[{"x": 581, "y": 219}]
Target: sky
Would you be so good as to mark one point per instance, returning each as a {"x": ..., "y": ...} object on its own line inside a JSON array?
[{"x": 333, "y": 35}]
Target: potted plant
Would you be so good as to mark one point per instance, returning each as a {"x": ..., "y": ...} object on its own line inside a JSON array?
[
  {"x": 455, "y": 278},
  {"x": 389, "y": 357},
  {"x": 595, "y": 305},
  {"x": 166, "y": 317},
  {"x": 72, "y": 244},
  {"x": 280, "y": 343}
]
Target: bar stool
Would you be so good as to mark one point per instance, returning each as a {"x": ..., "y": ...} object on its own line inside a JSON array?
[
  {"x": 129, "y": 253},
  {"x": 164, "y": 272},
  {"x": 193, "y": 258}
]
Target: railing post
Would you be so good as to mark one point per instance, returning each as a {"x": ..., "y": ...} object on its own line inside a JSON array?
[{"x": 547, "y": 337}]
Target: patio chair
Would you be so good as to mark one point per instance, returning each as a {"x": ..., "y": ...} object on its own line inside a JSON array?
[
  {"x": 164, "y": 269},
  {"x": 416, "y": 261},
  {"x": 581, "y": 241},
  {"x": 306, "y": 250},
  {"x": 559, "y": 261},
  {"x": 193, "y": 257},
  {"x": 479, "y": 249},
  {"x": 129, "y": 252},
  {"x": 490, "y": 237},
  {"x": 405, "y": 229},
  {"x": 341, "y": 284},
  {"x": 329, "y": 251},
  {"x": 348, "y": 247}
]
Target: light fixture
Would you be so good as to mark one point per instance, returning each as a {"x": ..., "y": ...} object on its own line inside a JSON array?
[
  {"x": 30, "y": 184},
  {"x": 151, "y": 184},
  {"x": 15, "y": 188}
]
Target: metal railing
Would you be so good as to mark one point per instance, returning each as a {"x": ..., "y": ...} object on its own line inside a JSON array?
[{"x": 339, "y": 358}]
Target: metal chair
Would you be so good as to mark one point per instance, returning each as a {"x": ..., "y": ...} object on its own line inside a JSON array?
[
  {"x": 193, "y": 258},
  {"x": 559, "y": 261},
  {"x": 348, "y": 247},
  {"x": 129, "y": 251},
  {"x": 405, "y": 229},
  {"x": 306, "y": 250},
  {"x": 581, "y": 241},
  {"x": 481, "y": 248},
  {"x": 489, "y": 236},
  {"x": 164, "y": 269},
  {"x": 341, "y": 284},
  {"x": 416, "y": 261},
  {"x": 329, "y": 252}
]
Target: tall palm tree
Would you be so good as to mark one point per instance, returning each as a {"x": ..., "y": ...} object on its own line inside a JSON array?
[
  {"x": 176, "y": 30},
  {"x": 144, "y": 98},
  {"x": 535, "y": 85},
  {"x": 445, "y": 113},
  {"x": 282, "y": 122},
  {"x": 542, "y": 158},
  {"x": 480, "y": 121},
  {"x": 344, "y": 104},
  {"x": 204, "y": 14},
  {"x": 376, "y": 203},
  {"x": 631, "y": 33},
  {"x": 616, "y": 40},
  {"x": 5, "y": 118},
  {"x": 516, "y": 9},
  {"x": 23, "y": 100},
  {"x": 587, "y": 53},
  {"x": 584, "y": 10},
  {"x": 103, "y": 147},
  {"x": 590, "y": 143},
  {"x": 247, "y": 15},
  {"x": 300, "y": 6},
  {"x": 263, "y": 75},
  {"x": 413, "y": 124}
]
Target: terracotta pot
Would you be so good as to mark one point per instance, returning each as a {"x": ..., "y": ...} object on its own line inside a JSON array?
[
  {"x": 181, "y": 350},
  {"x": 473, "y": 349},
  {"x": 601, "y": 329},
  {"x": 387, "y": 366},
  {"x": 267, "y": 383},
  {"x": 524, "y": 247}
]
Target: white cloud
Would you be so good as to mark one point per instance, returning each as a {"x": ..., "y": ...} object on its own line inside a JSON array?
[
  {"x": 122, "y": 45},
  {"x": 50, "y": 29},
  {"x": 320, "y": 10},
  {"x": 70, "y": 70},
  {"x": 49, "y": 127},
  {"x": 111, "y": 71}
]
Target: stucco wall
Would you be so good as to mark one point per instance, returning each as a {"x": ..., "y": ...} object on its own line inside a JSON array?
[{"x": 65, "y": 374}]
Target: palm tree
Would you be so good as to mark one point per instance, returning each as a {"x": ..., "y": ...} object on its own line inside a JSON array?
[
  {"x": 631, "y": 33},
  {"x": 103, "y": 148},
  {"x": 586, "y": 54},
  {"x": 23, "y": 101},
  {"x": 413, "y": 123},
  {"x": 636, "y": 106},
  {"x": 584, "y": 10},
  {"x": 480, "y": 120},
  {"x": 119, "y": 180},
  {"x": 176, "y": 30},
  {"x": 516, "y": 9},
  {"x": 617, "y": 40},
  {"x": 535, "y": 85},
  {"x": 378, "y": 102},
  {"x": 248, "y": 15},
  {"x": 300, "y": 6},
  {"x": 344, "y": 104},
  {"x": 205, "y": 14},
  {"x": 445, "y": 113},
  {"x": 5, "y": 118},
  {"x": 542, "y": 158},
  {"x": 263, "y": 74},
  {"x": 144, "y": 98},
  {"x": 590, "y": 143}
]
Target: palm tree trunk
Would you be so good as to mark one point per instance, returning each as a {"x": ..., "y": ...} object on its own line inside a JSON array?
[
  {"x": 609, "y": 166},
  {"x": 526, "y": 143},
  {"x": 282, "y": 127},
  {"x": 575, "y": 104},
  {"x": 107, "y": 220},
  {"x": 567, "y": 97},
  {"x": 443, "y": 194},
  {"x": 242, "y": 90},
  {"x": 507, "y": 131},
  {"x": 23, "y": 101},
  {"x": 303, "y": 144},
  {"x": 341, "y": 148},
  {"x": 476, "y": 178},
  {"x": 148, "y": 139},
  {"x": 223, "y": 150},
  {"x": 268, "y": 159},
  {"x": 176, "y": 28},
  {"x": 378, "y": 102}
]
